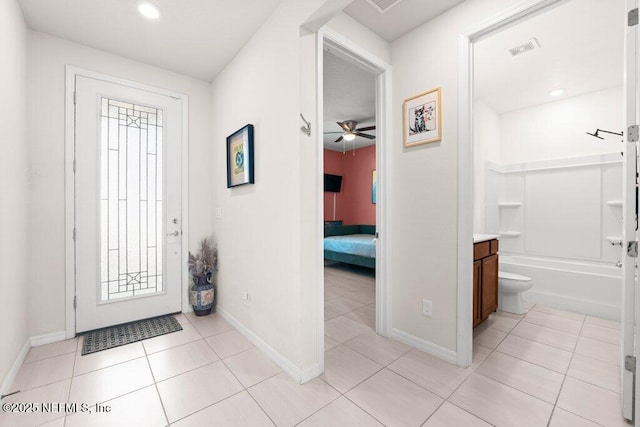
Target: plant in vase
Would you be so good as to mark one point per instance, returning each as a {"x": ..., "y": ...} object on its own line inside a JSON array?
[{"x": 202, "y": 266}]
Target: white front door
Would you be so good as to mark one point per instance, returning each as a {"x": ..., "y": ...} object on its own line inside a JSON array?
[
  {"x": 128, "y": 203},
  {"x": 630, "y": 215}
]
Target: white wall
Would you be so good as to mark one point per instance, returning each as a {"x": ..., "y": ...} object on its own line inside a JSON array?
[
  {"x": 47, "y": 59},
  {"x": 486, "y": 147},
  {"x": 15, "y": 277},
  {"x": 264, "y": 226},
  {"x": 424, "y": 222},
  {"x": 557, "y": 129},
  {"x": 361, "y": 35}
]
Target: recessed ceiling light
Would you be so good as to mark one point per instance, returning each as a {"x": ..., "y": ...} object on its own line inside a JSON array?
[
  {"x": 149, "y": 11},
  {"x": 556, "y": 92}
]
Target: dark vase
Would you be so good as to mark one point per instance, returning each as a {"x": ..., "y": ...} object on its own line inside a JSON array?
[{"x": 202, "y": 294}]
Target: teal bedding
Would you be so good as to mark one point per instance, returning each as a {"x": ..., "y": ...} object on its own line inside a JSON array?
[
  {"x": 356, "y": 244},
  {"x": 343, "y": 248}
]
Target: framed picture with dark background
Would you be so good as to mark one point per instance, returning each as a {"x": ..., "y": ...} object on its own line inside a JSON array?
[{"x": 240, "y": 157}]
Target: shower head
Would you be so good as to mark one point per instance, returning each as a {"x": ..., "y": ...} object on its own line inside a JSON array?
[
  {"x": 595, "y": 134},
  {"x": 605, "y": 131}
]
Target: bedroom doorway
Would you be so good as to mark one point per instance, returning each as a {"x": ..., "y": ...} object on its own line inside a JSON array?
[{"x": 353, "y": 94}]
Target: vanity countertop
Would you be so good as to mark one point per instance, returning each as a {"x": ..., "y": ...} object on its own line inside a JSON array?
[{"x": 477, "y": 238}]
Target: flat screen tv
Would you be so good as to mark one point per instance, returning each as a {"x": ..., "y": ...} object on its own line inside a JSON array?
[{"x": 332, "y": 183}]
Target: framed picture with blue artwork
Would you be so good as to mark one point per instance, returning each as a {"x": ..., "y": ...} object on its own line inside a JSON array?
[
  {"x": 240, "y": 157},
  {"x": 422, "y": 118}
]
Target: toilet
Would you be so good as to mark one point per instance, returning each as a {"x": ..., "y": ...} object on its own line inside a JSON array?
[{"x": 510, "y": 289}]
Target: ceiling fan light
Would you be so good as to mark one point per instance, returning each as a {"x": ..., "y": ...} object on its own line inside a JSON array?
[{"x": 349, "y": 137}]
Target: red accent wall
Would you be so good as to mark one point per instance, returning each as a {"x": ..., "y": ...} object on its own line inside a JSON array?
[{"x": 353, "y": 203}]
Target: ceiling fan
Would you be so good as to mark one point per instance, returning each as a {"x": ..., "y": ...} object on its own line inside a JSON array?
[{"x": 349, "y": 131}]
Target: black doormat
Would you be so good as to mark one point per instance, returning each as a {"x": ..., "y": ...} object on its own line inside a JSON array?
[{"x": 114, "y": 336}]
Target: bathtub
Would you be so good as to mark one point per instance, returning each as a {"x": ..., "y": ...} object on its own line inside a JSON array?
[{"x": 580, "y": 286}]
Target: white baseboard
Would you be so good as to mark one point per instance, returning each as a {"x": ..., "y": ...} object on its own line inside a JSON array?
[
  {"x": 591, "y": 307},
  {"x": 289, "y": 367},
  {"x": 310, "y": 373},
  {"x": 426, "y": 346},
  {"x": 48, "y": 338},
  {"x": 4, "y": 388}
]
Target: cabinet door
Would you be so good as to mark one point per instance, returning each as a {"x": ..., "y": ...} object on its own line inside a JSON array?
[
  {"x": 489, "y": 289},
  {"x": 477, "y": 275}
]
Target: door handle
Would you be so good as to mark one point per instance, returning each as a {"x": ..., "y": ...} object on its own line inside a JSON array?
[{"x": 175, "y": 233}]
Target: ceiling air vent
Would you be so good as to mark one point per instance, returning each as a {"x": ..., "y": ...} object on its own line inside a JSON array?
[
  {"x": 383, "y": 5},
  {"x": 525, "y": 47}
]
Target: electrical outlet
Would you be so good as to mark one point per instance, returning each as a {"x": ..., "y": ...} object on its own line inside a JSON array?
[
  {"x": 427, "y": 307},
  {"x": 245, "y": 295},
  {"x": 218, "y": 213}
]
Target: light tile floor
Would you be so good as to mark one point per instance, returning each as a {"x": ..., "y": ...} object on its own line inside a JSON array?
[{"x": 546, "y": 368}]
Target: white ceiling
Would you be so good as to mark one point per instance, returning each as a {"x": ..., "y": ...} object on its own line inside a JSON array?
[
  {"x": 198, "y": 37},
  {"x": 349, "y": 94},
  {"x": 399, "y": 19},
  {"x": 192, "y": 37},
  {"x": 581, "y": 52}
]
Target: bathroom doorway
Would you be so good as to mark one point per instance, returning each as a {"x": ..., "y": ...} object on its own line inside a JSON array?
[{"x": 552, "y": 193}]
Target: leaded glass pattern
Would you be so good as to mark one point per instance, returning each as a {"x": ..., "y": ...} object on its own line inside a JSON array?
[{"x": 131, "y": 191}]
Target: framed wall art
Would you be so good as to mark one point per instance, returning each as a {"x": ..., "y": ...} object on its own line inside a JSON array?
[
  {"x": 422, "y": 118},
  {"x": 240, "y": 157},
  {"x": 374, "y": 187}
]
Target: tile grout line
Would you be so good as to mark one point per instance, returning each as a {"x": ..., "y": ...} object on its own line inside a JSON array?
[
  {"x": 340, "y": 394},
  {"x": 75, "y": 357},
  {"x": 245, "y": 389},
  {"x": 207, "y": 364},
  {"x": 564, "y": 375},
  {"x": 155, "y": 385},
  {"x": 492, "y": 350},
  {"x": 564, "y": 378}
]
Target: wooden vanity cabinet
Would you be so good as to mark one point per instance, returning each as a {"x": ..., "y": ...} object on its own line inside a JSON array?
[{"x": 485, "y": 280}]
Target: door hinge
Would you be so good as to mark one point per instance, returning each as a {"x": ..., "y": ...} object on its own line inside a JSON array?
[
  {"x": 74, "y": 234},
  {"x": 74, "y": 166},
  {"x": 630, "y": 364},
  {"x": 74, "y": 95},
  {"x": 632, "y": 17},
  {"x": 633, "y": 133},
  {"x": 75, "y": 302},
  {"x": 632, "y": 249}
]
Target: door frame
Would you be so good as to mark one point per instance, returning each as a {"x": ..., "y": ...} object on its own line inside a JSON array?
[
  {"x": 384, "y": 135},
  {"x": 70, "y": 272},
  {"x": 464, "y": 336},
  {"x": 630, "y": 312}
]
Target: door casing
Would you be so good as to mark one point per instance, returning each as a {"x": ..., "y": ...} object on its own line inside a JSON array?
[
  {"x": 70, "y": 76},
  {"x": 465, "y": 166},
  {"x": 464, "y": 336},
  {"x": 354, "y": 53}
]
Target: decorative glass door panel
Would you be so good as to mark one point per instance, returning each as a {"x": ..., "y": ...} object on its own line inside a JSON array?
[{"x": 131, "y": 200}]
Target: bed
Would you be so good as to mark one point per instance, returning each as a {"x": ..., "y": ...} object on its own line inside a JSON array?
[{"x": 351, "y": 244}]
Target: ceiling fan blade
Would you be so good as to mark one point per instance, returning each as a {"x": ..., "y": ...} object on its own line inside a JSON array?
[
  {"x": 327, "y": 133},
  {"x": 364, "y": 135},
  {"x": 343, "y": 125},
  {"x": 339, "y": 139},
  {"x": 366, "y": 128}
]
